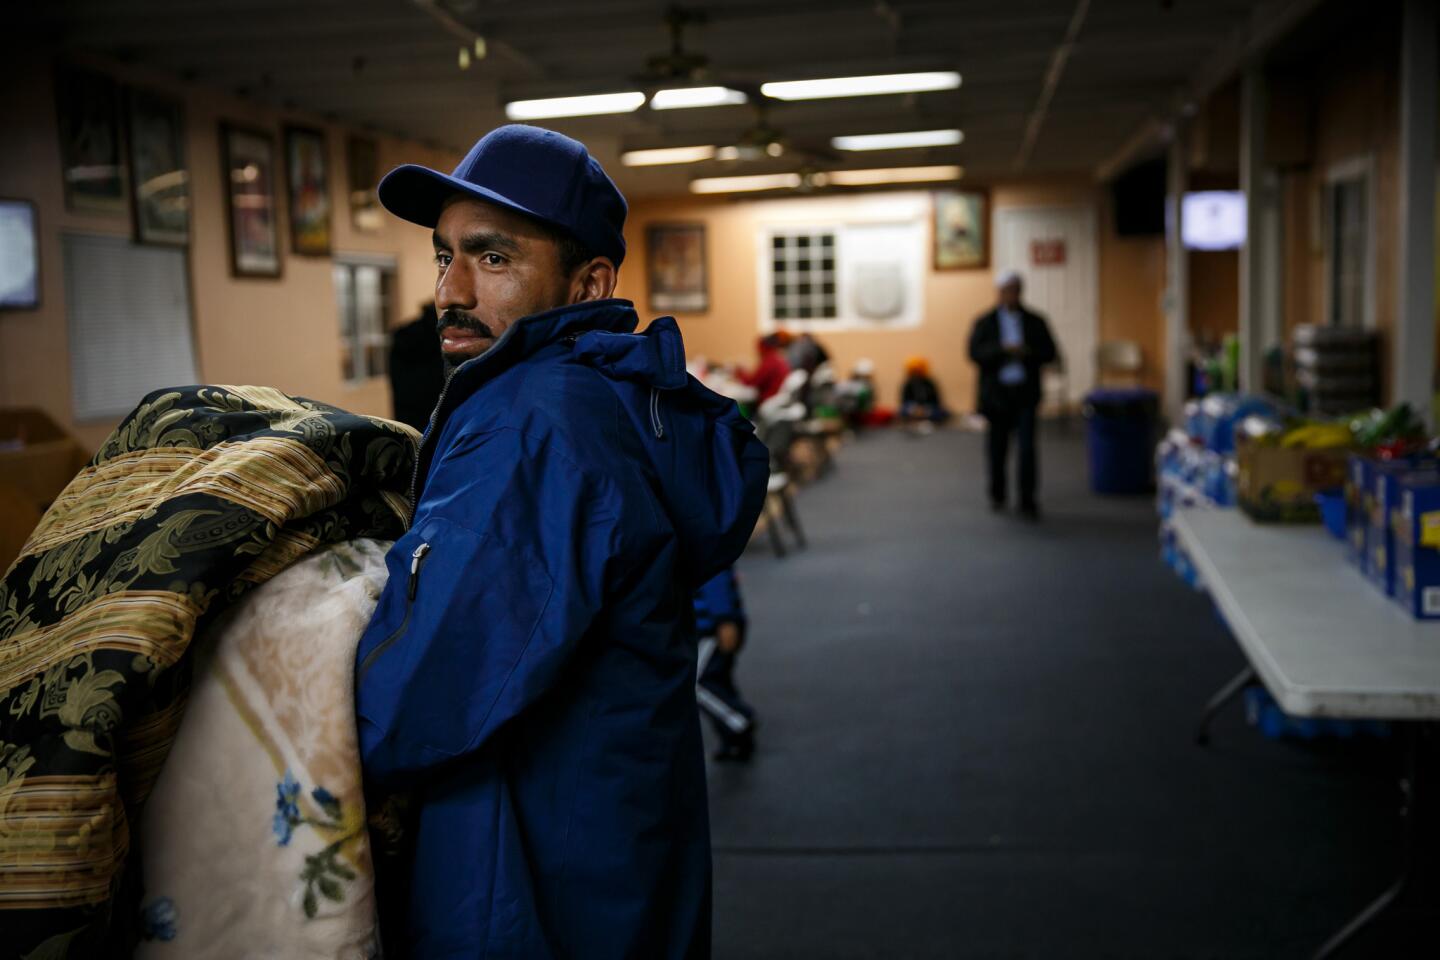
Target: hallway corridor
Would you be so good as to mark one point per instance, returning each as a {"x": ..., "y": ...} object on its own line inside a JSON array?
[{"x": 976, "y": 741}]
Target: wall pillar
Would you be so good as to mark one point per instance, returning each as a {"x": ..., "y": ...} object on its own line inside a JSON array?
[
  {"x": 1177, "y": 280},
  {"x": 1253, "y": 265},
  {"x": 1412, "y": 342}
]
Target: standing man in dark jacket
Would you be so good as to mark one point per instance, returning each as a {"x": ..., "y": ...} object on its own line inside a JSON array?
[
  {"x": 1011, "y": 345},
  {"x": 417, "y": 372},
  {"x": 528, "y": 680}
]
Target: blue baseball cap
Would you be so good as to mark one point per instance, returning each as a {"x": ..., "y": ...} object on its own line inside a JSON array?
[{"x": 533, "y": 171}]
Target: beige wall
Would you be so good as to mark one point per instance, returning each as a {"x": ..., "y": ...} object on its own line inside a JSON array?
[
  {"x": 1131, "y": 272},
  {"x": 1132, "y": 295},
  {"x": 281, "y": 333}
]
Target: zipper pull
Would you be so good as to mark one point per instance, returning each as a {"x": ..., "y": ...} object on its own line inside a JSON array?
[{"x": 415, "y": 559}]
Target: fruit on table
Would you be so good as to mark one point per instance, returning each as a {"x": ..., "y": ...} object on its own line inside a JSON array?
[{"x": 1318, "y": 436}]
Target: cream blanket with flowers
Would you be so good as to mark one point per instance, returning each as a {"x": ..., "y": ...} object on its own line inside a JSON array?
[{"x": 253, "y": 841}]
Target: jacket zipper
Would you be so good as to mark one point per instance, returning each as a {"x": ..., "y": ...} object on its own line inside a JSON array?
[{"x": 417, "y": 557}]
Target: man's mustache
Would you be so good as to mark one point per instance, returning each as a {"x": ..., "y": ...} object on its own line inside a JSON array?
[{"x": 464, "y": 321}]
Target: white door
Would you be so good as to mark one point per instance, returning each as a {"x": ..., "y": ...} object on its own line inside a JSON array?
[{"x": 1053, "y": 248}]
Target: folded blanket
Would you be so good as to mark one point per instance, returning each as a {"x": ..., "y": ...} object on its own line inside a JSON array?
[
  {"x": 255, "y": 842},
  {"x": 199, "y": 495}
]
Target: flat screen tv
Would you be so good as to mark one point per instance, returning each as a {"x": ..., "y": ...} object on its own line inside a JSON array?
[{"x": 1212, "y": 220}]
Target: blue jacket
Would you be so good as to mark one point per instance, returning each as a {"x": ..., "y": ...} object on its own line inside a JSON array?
[{"x": 529, "y": 672}]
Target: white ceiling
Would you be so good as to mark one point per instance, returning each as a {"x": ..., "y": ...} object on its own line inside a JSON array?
[{"x": 391, "y": 65}]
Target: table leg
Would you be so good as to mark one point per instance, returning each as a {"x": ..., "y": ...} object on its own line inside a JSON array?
[
  {"x": 1223, "y": 696},
  {"x": 1415, "y": 795}
]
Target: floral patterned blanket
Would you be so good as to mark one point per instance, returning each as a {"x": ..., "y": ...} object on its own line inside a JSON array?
[
  {"x": 201, "y": 494},
  {"x": 255, "y": 841}
]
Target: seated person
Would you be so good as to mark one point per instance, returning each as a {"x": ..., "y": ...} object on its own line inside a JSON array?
[
  {"x": 720, "y": 623},
  {"x": 771, "y": 370},
  {"x": 920, "y": 402}
]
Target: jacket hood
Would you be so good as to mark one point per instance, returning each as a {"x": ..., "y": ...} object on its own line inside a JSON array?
[{"x": 712, "y": 469}]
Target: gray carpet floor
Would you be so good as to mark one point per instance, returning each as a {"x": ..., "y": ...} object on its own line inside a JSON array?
[{"x": 976, "y": 741}]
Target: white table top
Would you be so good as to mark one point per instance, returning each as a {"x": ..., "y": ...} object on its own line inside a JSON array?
[{"x": 1324, "y": 640}]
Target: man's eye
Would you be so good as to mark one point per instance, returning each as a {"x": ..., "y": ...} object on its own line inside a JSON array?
[
  {"x": 493, "y": 259},
  {"x": 442, "y": 260}
]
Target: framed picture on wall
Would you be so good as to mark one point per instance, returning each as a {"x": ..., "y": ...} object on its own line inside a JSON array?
[
  {"x": 19, "y": 256},
  {"x": 90, "y": 154},
  {"x": 962, "y": 229},
  {"x": 362, "y": 166},
  {"x": 159, "y": 180},
  {"x": 307, "y": 182},
  {"x": 249, "y": 171},
  {"x": 678, "y": 278}
]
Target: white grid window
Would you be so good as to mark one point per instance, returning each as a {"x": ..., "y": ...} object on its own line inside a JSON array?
[
  {"x": 1349, "y": 251},
  {"x": 802, "y": 275},
  {"x": 364, "y": 296}
]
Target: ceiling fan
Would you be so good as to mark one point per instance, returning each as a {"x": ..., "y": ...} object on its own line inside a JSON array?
[{"x": 680, "y": 66}]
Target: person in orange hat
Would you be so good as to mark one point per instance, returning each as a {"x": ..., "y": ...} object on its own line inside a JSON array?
[{"x": 920, "y": 403}]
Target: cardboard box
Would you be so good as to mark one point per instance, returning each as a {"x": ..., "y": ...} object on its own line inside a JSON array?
[
  {"x": 1417, "y": 546},
  {"x": 37, "y": 459},
  {"x": 1386, "y": 476},
  {"x": 1278, "y": 484}
]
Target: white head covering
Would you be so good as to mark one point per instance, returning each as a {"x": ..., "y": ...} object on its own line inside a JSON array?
[{"x": 1007, "y": 277}]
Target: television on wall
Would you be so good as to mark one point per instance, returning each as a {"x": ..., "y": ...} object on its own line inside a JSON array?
[{"x": 1212, "y": 220}]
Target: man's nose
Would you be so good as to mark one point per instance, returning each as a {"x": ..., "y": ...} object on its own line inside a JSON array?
[{"x": 454, "y": 290}]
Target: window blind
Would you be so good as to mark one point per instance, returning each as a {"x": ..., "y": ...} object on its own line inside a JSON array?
[{"x": 128, "y": 310}]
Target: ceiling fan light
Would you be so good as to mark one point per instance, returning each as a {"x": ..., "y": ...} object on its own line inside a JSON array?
[
  {"x": 587, "y": 106},
  {"x": 666, "y": 155},
  {"x": 899, "y": 141},
  {"x": 763, "y": 181},
  {"x": 681, "y": 98},
  {"x": 861, "y": 86},
  {"x": 876, "y": 177}
]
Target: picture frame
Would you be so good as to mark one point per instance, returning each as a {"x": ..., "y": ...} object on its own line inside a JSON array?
[
  {"x": 677, "y": 270},
  {"x": 159, "y": 177},
  {"x": 307, "y": 190},
  {"x": 19, "y": 255},
  {"x": 91, "y": 155},
  {"x": 960, "y": 222},
  {"x": 362, "y": 167},
  {"x": 248, "y": 169}
]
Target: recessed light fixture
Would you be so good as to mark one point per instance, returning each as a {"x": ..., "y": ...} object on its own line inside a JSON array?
[
  {"x": 574, "y": 106},
  {"x": 681, "y": 98},
  {"x": 899, "y": 141},
  {"x": 861, "y": 86},
  {"x": 763, "y": 181},
  {"x": 870, "y": 178},
  {"x": 663, "y": 155}
]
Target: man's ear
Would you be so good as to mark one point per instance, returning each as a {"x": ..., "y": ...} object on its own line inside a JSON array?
[{"x": 593, "y": 281}]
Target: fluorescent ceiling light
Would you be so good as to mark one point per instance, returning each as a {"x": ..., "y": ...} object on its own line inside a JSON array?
[
  {"x": 899, "y": 141},
  {"x": 861, "y": 86},
  {"x": 869, "y": 178},
  {"x": 574, "y": 106},
  {"x": 652, "y": 158},
  {"x": 764, "y": 181},
  {"x": 727, "y": 153},
  {"x": 679, "y": 98}
]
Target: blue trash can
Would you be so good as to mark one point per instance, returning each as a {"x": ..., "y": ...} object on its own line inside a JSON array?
[{"x": 1121, "y": 440}]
